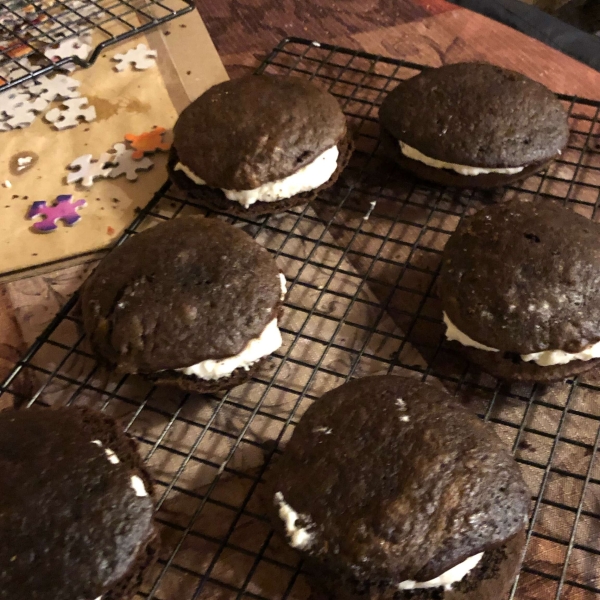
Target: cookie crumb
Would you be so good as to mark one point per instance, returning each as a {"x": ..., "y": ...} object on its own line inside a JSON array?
[
  {"x": 325, "y": 430},
  {"x": 372, "y": 207}
]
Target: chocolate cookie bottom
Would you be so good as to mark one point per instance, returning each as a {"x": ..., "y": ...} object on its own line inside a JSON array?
[
  {"x": 191, "y": 383},
  {"x": 450, "y": 178},
  {"x": 491, "y": 579},
  {"x": 214, "y": 199},
  {"x": 511, "y": 367}
]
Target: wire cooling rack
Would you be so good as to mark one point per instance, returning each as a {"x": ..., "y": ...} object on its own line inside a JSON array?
[
  {"x": 361, "y": 264},
  {"x": 28, "y": 27}
]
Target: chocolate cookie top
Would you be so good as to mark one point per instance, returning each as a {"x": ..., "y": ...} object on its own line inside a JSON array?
[
  {"x": 185, "y": 291},
  {"x": 71, "y": 522},
  {"x": 392, "y": 480},
  {"x": 246, "y": 132},
  {"x": 524, "y": 276},
  {"x": 476, "y": 114}
]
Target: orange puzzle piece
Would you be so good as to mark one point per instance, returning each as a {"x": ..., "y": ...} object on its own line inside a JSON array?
[{"x": 149, "y": 141}]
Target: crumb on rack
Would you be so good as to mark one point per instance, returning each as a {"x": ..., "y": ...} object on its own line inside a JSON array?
[{"x": 371, "y": 209}]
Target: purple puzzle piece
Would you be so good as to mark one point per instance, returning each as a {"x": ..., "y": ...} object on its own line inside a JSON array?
[{"x": 64, "y": 209}]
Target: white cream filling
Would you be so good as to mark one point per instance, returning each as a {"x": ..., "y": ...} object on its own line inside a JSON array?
[
  {"x": 283, "y": 281},
  {"x": 306, "y": 179},
  {"x": 298, "y": 537},
  {"x": 268, "y": 341},
  {"x": 112, "y": 457},
  {"x": 455, "y": 334},
  {"x": 447, "y": 579},
  {"x": 545, "y": 358},
  {"x": 138, "y": 486},
  {"x": 136, "y": 482},
  {"x": 413, "y": 153}
]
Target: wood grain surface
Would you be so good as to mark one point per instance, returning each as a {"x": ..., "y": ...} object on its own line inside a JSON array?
[{"x": 431, "y": 32}]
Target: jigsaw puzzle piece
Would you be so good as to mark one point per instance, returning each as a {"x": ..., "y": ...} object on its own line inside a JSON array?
[
  {"x": 126, "y": 164},
  {"x": 89, "y": 169},
  {"x": 74, "y": 46},
  {"x": 61, "y": 87},
  {"x": 63, "y": 210},
  {"x": 149, "y": 141},
  {"x": 20, "y": 109},
  {"x": 17, "y": 69},
  {"x": 141, "y": 57},
  {"x": 63, "y": 119},
  {"x": 11, "y": 100}
]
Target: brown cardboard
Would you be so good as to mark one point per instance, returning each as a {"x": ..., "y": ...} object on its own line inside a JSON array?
[{"x": 127, "y": 102}]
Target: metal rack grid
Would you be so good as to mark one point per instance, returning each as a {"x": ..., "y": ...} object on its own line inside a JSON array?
[
  {"x": 27, "y": 27},
  {"x": 361, "y": 264}
]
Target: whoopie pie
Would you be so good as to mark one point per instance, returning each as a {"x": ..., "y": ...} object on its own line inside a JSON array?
[
  {"x": 519, "y": 287},
  {"x": 193, "y": 302},
  {"x": 76, "y": 509},
  {"x": 259, "y": 144},
  {"x": 473, "y": 125},
  {"x": 391, "y": 488}
]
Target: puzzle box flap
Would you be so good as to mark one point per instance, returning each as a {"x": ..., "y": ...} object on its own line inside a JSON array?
[{"x": 126, "y": 102}]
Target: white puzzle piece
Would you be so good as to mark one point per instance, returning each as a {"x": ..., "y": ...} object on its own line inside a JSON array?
[
  {"x": 59, "y": 87},
  {"x": 141, "y": 57},
  {"x": 20, "y": 109},
  {"x": 74, "y": 46},
  {"x": 10, "y": 100},
  {"x": 126, "y": 165},
  {"x": 17, "y": 69},
  {"x": 89, "y": 169},
  {"x": 76, "y": 110}
]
